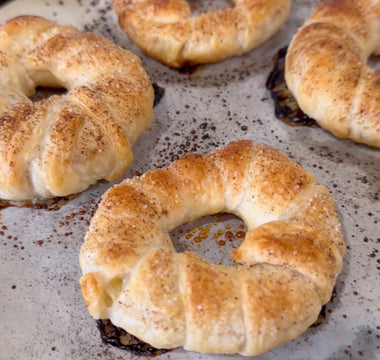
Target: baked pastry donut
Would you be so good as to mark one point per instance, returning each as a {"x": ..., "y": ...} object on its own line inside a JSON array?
[
  {"x": 285, "y": 268},
  {"x": 167, "y": 31},
  {"x": 61, "y": 145},
  {"x": 326, "y": 68}
]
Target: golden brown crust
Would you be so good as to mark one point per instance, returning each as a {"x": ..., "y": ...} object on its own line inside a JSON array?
[
  {"x": 326, "y": 68},
  {"x": 167, "y": 31},
  {"x": 278, "y": 303},
  {"x": 212, "y": 306},
  {"x": 296, "y": 246},
  {"x": 286, "y": 266},
  {"x": 63, "y": 144}
]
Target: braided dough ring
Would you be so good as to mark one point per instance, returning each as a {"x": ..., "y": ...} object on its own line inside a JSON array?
[
  {"x": 63, "y": 144},
  {"x": 286, "y": 267},
  {"x": 326, "y": 68},
  {"x": 168, "y": 32}
]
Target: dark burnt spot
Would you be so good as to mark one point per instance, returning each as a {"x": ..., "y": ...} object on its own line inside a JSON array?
[
  {"x": 286, "y": 106},
  {"x": 121, "y": 339},
  {"x": 47, "y": 204},
  {"x": 159, "y": 93}
]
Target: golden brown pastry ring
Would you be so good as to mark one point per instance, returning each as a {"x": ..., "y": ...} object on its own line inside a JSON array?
[
  {"x": 61, "y": 145},
  {"x": 286, "y": 266},
  {"x": 167, "y": 31},
  {"x": 326, "y": 68}
]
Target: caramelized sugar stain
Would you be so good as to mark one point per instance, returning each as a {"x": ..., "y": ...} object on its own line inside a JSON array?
[
  {"x": 325, "y": 310},
  {"x": 193, "y": 70},
  {"x": 222, "y": 235},
  {"x": 48, "y": 204},
  {"x": 118, "y": 337},
  {"x": 286, "y": 106},
  {"x": 159, "y": 93}
]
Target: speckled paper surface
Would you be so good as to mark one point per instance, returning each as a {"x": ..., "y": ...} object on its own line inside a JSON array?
[{"x": 42, "y": 314}]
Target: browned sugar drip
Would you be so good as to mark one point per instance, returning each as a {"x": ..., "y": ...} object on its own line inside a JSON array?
[
  {"x": 189, "y": 70},
  {"x": 48, "y": 204},
  {"x": 118, "y": 337},
  {"x": 321, "y": 317},
  {"x": 159, "y": 93},
  {"x": 324, "y": 311},
  {"x": 286, "y": 106}
]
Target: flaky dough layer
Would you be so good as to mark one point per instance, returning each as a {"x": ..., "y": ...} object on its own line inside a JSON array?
[
  {"x": 326, "y": 68},
  {"x": 285, "y": 268},
  {"x": 63, "y": 144},
  {"x": 167, "y": 31}
]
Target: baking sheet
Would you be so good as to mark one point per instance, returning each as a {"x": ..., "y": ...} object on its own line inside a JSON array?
[{"x": 42, "y": 314}]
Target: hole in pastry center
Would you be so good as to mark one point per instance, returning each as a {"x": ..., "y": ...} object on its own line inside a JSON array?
[
  {"x": 44, "y": 92},
  {"x": 200, "y": 6},
  {"x": 374, "y": 63},
  {"x": 211, "y": 237}
]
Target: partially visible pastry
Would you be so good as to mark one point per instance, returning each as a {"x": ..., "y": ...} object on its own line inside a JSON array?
[
  {"x": 326, "y": 69},
  {"x": 167, "y": 31},
  {"x": 61, "y": 145}
]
